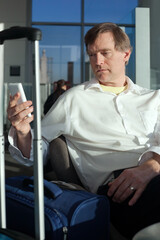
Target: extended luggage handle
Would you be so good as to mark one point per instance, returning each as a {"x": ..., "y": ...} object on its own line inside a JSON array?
[
  {"x": 50, "y": 188},
  {"x": 33, "y": 35},
  {"x": 16, "y": 32}
]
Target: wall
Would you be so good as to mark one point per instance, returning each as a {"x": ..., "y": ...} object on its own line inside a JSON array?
[
  {"x": 142, "y": 49},
  {"x": 16, "y": 52},
  {"x": 154, "y": 6}
]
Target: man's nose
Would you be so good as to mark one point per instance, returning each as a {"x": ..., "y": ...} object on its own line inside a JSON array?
[{"x": 99, "y": 59}]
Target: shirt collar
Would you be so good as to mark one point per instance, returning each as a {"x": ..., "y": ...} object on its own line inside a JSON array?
[
  {"x": 132, "y": 87},
  {"x": 93, "y": 83}
]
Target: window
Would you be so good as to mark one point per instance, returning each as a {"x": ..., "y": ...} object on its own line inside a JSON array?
[
  {"x": 64, "y": 23},
  {"x": 62, "y": 48},
  {"x": 117, "y": 11},
  {"x": 56, "y": 11}
]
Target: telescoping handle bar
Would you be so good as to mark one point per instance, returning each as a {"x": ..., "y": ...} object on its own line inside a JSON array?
[
  {"x": 16, "y": 32},
  {"x": 34, "y": 35}
]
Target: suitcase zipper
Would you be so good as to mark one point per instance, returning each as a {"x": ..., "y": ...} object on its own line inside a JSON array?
[{"x": 64, "y": 229}]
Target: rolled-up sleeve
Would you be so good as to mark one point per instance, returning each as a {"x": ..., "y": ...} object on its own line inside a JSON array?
[
  {"x": 16, "y": 153},
  {"x": 57, "y": 121},
  {"x": 156, "y": 147},
  {"x": 54, "y": 124}
]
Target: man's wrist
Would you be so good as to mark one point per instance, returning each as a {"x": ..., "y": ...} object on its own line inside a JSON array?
[{"x": 152, "y": 165}]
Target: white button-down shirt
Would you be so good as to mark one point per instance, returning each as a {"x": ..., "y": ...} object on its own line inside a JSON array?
[{"x": 104, "y": 131}]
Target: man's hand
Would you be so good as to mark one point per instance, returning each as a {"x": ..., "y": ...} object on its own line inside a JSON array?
[
  {"x": 18, "y": 116},
  {"x": 133, "y": 181}
]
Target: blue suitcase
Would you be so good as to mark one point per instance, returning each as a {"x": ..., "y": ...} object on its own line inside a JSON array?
[{"x": 69, "y": 214}]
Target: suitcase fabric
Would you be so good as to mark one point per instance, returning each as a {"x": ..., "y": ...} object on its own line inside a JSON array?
[{"x": 69, "y": 214}]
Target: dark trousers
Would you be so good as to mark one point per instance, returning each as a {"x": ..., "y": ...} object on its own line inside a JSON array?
[{"x": 128, "y": 220}]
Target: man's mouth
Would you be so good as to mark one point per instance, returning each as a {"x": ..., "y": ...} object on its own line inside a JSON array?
[{"x": 102, "y": 70}]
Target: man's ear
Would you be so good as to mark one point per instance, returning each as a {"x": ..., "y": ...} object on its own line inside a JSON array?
[{"x": 127, "y": 55}]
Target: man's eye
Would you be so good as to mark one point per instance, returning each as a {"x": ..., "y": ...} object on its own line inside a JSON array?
[
  {"x": 105, "y": 53},
  {"x": 91, "y": 54}
]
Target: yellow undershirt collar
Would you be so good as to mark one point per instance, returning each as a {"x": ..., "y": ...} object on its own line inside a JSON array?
[{"x": 116, "y": 90}]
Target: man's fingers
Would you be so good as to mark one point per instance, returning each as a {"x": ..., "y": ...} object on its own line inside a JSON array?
[
  {"x": 126, "y": 185},
  {"x": 16, "y": 109},
  {"x": 29, "y": 119},
  {"x": 136, "y": 196},
  {"x": 114, "y": 185},
  {"x": 16, "y": 117},
  {"x": 13, "y": 100},
  {"x": 122, "y": 193}
]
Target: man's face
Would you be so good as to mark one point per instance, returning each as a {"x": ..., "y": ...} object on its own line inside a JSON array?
[{"x": 108, "y": 64}]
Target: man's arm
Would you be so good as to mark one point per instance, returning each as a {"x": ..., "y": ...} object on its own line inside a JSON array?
[
  {"x": 18, "y": 116},
  {"x": 137, "y": 177},
  {"x": 24, "y": 144}
]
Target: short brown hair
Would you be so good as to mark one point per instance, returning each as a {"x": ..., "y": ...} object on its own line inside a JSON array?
[{"x": 121, "y": 39}]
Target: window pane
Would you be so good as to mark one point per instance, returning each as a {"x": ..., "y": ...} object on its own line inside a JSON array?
[
  {"x": 117, "y": 11},
  {"x": 56, "y": 11},
  {"x": 130, "y": 68},
  {"x": 61, "y": 47},
  {"x": 88, "y": 70}
]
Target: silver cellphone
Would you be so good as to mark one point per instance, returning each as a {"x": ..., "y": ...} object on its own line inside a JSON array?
[{"x": 17, "y": 87}]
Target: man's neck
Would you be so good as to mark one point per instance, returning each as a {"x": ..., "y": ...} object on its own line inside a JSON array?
[{"x": 114, "y": 84}]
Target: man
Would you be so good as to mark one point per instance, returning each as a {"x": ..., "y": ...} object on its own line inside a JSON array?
[{"x": 110, "y": 124}]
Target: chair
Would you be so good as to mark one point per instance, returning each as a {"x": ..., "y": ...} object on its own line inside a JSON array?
[
  {"x": 149, "y": 233},
  {"x": 60, "y": 166}
]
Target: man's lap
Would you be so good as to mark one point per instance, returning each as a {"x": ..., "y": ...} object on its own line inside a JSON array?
[{"x": 146, "y": 211}]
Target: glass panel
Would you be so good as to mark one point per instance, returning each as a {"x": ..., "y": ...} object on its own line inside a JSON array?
[
  {"x": 56, "y": 11},
  {"x": 118, "y": 11},
  {"x": 88, "y": 70},
  {"x": 60, "y": 46},
  {"x": 130, "y": 68}
]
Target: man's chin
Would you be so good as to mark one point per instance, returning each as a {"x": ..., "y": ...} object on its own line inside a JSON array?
[{"x": 102, "y": 80}]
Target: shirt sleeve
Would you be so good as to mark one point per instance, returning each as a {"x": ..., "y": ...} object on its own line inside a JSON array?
[
  {"x": 57, "y": 121},
  {"x": 16, "y": 153},
  {"x": 54, "y": 124},
  {"x": 155, "y": 148}
]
